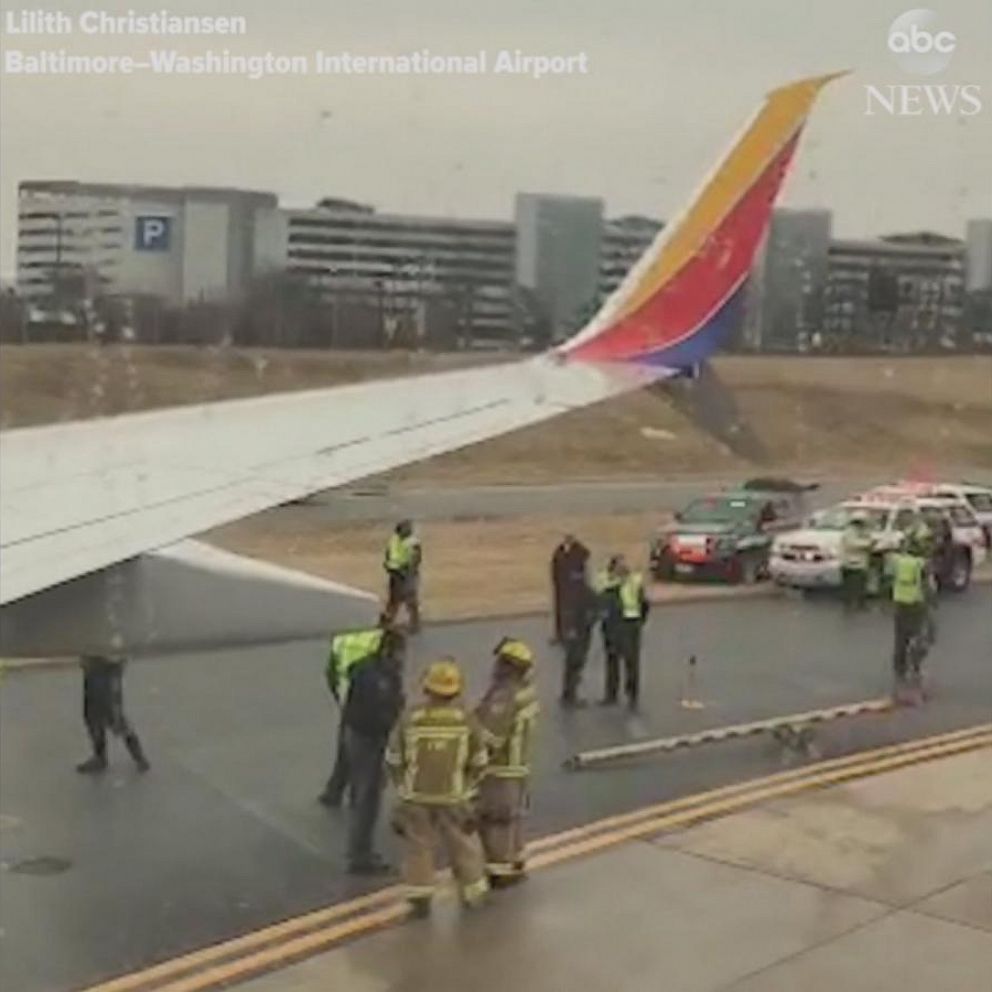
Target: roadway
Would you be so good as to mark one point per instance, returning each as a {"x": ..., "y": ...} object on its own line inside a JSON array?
[
  {"x": 224, "y": 834},
  {"x": 369, "y": 502}
]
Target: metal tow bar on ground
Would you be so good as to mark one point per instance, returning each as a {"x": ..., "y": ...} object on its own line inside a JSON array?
[{"x": 793, "y": 732}]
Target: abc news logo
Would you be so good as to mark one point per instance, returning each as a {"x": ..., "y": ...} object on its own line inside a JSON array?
[{"x": 921, "y": 48}]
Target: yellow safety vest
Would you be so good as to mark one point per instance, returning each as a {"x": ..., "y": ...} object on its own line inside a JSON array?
[
  {"x": 907, "y": 579},
  {"x": 347, "y": 650},
  {"x": 630, "y": 597},
  {"x": 399, "y": 552},
  {"x": 437, "y": 756}
]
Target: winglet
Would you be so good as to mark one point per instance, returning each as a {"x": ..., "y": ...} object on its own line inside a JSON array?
[{"x": 677, "y": 303}]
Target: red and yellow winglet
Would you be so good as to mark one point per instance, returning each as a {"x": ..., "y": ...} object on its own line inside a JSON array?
[{"x": 676, "y": 305}]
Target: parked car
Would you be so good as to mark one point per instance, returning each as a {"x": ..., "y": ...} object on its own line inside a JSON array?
[{"x": 728, "y": 535}]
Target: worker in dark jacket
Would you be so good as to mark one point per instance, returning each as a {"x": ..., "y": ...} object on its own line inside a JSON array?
[
  {"x": 103, "y": 711},
  {"x": 578, "y": 619},
  {"x": 568, "y": 580},
  {"x": 373, "y": 705},
  {"x": 632, "y": 606},
  {"x": 611, "y": 622}
]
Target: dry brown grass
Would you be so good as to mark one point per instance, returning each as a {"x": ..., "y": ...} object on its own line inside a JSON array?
[
  {"x": 813, "y": 415},
  {"x": 471, "y": 568}
]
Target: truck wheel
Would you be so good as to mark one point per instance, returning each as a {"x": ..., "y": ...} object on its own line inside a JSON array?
[{"x": 959, "y": 574}]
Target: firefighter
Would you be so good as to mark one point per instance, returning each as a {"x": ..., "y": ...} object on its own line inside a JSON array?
[
  {"x": 508, "y": 715},
  {"x": 402, "y": 564},
  {"x": 348, "y": 650},
  {"x": 856, "y": 545},
  {"x": 909, "y": 595},
  {"x": 103, "y": 710},
  {"x": 607, "y": 587},
  {"x": 633, "y": 608},
  {"x": 436, "y": 758}
]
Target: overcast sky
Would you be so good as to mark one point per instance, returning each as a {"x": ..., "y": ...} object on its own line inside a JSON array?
[{"x": 669, "y": 83}]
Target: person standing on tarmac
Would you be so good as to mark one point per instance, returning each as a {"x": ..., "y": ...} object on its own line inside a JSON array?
[
  {"x": 568, "y": 580},
  {"x": 103, "y": 710},
  {"x": 373, "y": 705},
  {"x": 633, "y": 607},
  {"x": 348, "y": 651},
  {"x": 577, "y": 621},
  {"x": 611, "y": 616},
  {"x": 402, "y": 564},
  {"x": 856, "y": 545},
  {"x": 436, "y": 758},
  {"x": 508, "y": 715},
  {"x": 910, "y": 576}
]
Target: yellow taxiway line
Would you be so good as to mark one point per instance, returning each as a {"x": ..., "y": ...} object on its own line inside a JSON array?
[{"x": 278, "y": 945}]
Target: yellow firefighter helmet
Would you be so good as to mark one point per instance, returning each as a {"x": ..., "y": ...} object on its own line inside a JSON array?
[
  {"x": 515, "y": 652},
  {"x": 443, "y": 678}
]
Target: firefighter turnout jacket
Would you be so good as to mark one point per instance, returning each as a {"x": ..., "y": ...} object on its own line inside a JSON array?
[
  {"x": 508, "y": 714},
  {"x": 437, "y": 755}
]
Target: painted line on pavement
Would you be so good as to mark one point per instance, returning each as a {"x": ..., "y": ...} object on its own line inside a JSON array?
[{"x": 276, "y": 946}]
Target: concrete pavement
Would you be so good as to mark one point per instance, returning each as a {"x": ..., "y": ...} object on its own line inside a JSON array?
[
  {"x": 884, "y": 885},
  {"x": 224, "y": 835}
]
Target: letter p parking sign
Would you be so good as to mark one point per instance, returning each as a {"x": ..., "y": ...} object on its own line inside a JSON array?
[{"x": 152, "y": 233}]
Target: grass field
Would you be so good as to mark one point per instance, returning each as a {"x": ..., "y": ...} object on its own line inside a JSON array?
[
  {"x": 471, "y": 568},
  {"x": 820, "y": 415}
]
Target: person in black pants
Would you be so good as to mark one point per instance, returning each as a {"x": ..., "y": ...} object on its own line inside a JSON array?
[
  {"x": 577, "y": 622},
  {"x": 374, "y": 703},
  {"x": 633, "y": 613},
  {"x": 103, "y": 710}
]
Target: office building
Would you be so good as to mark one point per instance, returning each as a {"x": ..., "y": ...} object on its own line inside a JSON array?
[
  {"x": 76, "y": 240},
  {"x": 558, "y": 242}
]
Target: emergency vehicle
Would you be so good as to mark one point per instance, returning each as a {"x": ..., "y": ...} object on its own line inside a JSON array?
[{"x": 810, "y": 558}]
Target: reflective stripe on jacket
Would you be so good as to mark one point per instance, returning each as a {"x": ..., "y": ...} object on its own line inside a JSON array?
[
  {"x": 347, "y": 650},
  {"x": 437, "y": 756},
  {"x": 508, "y": 715},
  {"x": 908, "y": 573}
]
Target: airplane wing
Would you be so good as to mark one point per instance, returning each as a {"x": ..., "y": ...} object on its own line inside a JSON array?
[{"x": 77, "y": 498}]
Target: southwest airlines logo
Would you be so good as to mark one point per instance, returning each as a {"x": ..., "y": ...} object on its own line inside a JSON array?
[
  {"x": 152, "y": 233},
  {"x": 921, "y": 45}
]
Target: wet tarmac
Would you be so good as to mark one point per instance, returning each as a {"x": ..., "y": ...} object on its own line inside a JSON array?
[{"x": 224, "y": 834}]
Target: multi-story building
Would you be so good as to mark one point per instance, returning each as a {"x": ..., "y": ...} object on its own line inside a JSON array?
[
  {"x": 558, "y": 241},
  {"x": 787, "y": 290},
  {"x": 404, "y": 265},
  {"x": 178, "y": 244},
  {"x": 978, "y": 255},
  {"x": 977, "y": 319},
  {"x": 624, "y": 241},
  {"x": 899, "y": 293}
]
